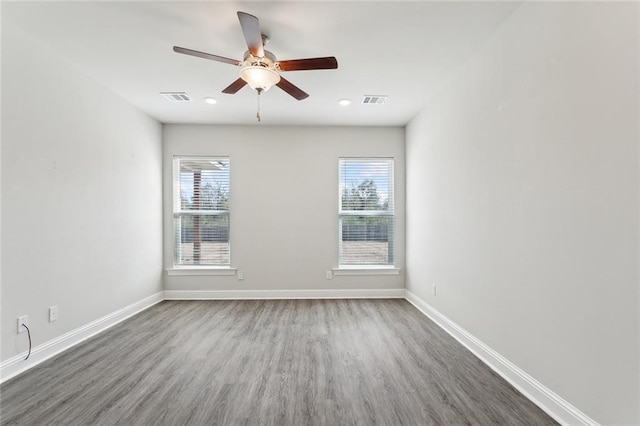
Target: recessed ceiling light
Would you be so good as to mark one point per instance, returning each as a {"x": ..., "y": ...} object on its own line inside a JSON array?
[
  {"x": 344, "y": 102},
  {"x": 210, "y": 101}
]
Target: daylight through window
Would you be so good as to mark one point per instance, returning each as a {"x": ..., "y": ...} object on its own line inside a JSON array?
[
  {"x": 366, "y": 212},
  {"x": 201, "y": 211}
]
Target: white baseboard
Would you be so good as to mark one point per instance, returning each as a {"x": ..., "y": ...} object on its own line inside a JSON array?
[
  {"x": 543, "y": 397},
  {"x": 284, "y": 294},
  {"x": 17, "y": 364}
]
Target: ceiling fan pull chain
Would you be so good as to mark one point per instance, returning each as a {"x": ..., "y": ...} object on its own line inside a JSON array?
[{"x": 258, "y": 106}]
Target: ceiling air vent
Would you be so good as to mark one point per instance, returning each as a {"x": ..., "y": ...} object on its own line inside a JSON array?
[
  {"x": 176, "y": 96},
  {"x": 374, "y": 99}
]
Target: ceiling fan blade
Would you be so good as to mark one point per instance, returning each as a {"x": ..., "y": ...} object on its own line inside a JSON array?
[
  {"x": 326, "y": 63},
  {"x": 235, "y": 86},
  {"x": 291, "y": 89},
  {"x": 253, "y": 36},
  {"x": 217, "y": 58}
]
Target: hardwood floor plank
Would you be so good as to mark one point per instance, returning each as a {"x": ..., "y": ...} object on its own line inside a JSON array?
[{"x": 268, "y": 362}]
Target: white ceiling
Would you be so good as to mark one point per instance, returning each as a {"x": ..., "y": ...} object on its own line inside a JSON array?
[{"x": 405, "y": 50}]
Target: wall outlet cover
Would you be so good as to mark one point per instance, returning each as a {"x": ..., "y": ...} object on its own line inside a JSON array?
[
  {"x": 53, "y": 313},
  {"x": 23, "y": 320}
]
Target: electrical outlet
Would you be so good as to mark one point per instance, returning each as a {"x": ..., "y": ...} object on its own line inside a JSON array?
[
  {"x": 240, "y": 275},
  {"x": 329, "y": 275},
  {"x": 23, "y": 320},
  {"x": 53, "y": 313}
]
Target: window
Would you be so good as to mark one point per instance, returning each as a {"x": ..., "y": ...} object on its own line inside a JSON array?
[
  {"x": 366, "y": 212},
  {"x": 201, "y": 211}
]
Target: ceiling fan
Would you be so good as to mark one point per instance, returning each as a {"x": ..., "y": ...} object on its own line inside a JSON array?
[{"x": 259, "y": 68}]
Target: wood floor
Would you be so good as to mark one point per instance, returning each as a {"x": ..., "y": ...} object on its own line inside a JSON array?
[{"x": 271, "y": 362}]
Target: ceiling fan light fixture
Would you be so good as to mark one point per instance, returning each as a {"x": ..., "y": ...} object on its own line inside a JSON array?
[{"x": 259, "y": 77}]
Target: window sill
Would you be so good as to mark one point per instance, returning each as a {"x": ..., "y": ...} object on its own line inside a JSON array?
[
  {"x": 366, "y": 270},
  {"x": 202, "y": 271}
]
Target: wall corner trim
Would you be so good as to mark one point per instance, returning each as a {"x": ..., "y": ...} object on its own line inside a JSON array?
[
  {"x": 543, "y": 397},
  {"x": 17, "y": 364}
]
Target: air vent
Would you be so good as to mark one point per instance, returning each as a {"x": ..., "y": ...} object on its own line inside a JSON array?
[
  {"x": 176, "y": 96},
  {"x": 374, "y": 99}
]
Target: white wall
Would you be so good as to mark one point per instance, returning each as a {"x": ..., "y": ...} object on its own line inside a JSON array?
[
  {"x": 81, "y": 196},
  {"x": 522, "y": 201},
  {"x": 284, "y": 202}
]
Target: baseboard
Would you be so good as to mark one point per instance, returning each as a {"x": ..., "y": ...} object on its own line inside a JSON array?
[
  {"x": 284, "y": 294},
  {"x": 543, "y": 397},
  {"x": 17, "y": 364}
]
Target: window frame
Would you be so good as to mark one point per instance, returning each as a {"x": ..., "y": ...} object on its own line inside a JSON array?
[
  {"x": 367, "y": 269},
  {"x": 177, "y": 211}
]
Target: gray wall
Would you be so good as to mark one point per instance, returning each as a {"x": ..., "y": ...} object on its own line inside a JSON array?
[
  {"x": 284, "y": 202},
  {"x": 81, "y": 196},
  {"x": 522, "y": 201}
]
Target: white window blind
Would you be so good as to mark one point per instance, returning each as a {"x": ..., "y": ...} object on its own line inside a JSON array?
[
  {"x": 201, "y": 211},
  {"x": 366, "y": 212}
]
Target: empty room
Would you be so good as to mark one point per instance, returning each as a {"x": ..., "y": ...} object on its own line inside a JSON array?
[{"x": 320, "y": 212}]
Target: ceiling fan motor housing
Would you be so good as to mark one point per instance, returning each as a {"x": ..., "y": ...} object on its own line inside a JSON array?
[{"x": 269, "y": 59}]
